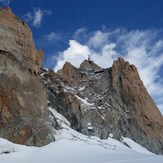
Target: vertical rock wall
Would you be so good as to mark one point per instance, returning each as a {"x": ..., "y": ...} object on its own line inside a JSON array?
[{"x": 24, "y": 116}]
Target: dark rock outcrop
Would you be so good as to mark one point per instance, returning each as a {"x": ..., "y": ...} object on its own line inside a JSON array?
[
  {"x": 101, "y": 102},
  {"x": 24, "y": 117}
]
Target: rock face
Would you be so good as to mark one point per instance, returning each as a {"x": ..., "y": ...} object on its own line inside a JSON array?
[
  {"x": 24, "y": 117},
  {"x": 143, "y": 120},
  {"x": 109, "y": 101}
]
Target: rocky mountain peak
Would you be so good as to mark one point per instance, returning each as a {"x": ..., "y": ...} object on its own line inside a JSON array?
[
  {"x": 121, "y": 65},
  {"x": 100, "y": 102},
  {"x": 127, "y": 82},
  {"x": 119, "y": 61},
  {"x": 89, "y": 65},
  {"x": 69, "y": 72}
]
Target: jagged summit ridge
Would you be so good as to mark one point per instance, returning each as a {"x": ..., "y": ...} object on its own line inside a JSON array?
[
  {"x": 107, "y": 101},
  {"x": 89, "y": 65}
]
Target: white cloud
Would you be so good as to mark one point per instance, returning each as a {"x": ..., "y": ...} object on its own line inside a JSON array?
[
  {"x": 53, "y": 37},
  {"x": 105, "y": 56},
  {"x": 75, "y": 54},
  {"x": 79, "y": 33},
  {"x": 35, "y": 17},
  {"x": 141, "y": 48},
  {"x": 98, "y": 39}
]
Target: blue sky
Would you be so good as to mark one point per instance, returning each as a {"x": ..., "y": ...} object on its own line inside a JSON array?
[{"x": 69, "y": 30}]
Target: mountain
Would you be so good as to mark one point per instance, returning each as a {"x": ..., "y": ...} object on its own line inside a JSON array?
[
  {"x": 101, "y": 102},
  {"x": 106, "y": 103},
  {"x": 23, "y": 100}
]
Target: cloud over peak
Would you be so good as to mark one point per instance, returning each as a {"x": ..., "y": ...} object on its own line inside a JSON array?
[{"x": 75, "y": 54}]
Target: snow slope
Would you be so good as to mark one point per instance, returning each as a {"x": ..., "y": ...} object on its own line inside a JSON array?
[{"x": 73, "y": 147}]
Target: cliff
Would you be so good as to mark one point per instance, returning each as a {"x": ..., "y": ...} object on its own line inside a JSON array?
[{"x": 24, "y": 117}]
